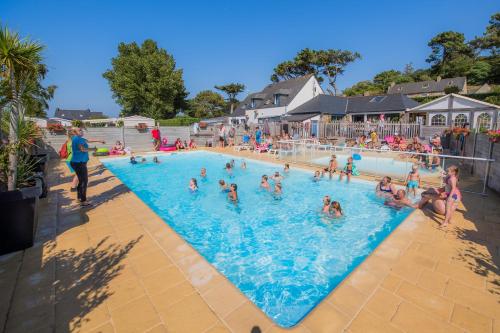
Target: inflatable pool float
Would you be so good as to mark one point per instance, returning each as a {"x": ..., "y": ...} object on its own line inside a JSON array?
[
  {"x": 356, "y": 157},
  {"x": 102, "y": 152},
  {"x": 170, "y": 147},
  {"x": 117, "y": 152}
]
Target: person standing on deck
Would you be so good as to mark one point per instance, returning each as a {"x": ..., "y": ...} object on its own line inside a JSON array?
[
  {"x": 80, "y": 149},
  {"x": 155, "y": 133},
  {"x": 258, "y": 135}
]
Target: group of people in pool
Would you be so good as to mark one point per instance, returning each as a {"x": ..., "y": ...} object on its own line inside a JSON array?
[
  {"x": 138, "y": 159},
  {"x": 348, "y": 171},
  {"x": 444, "y": 199}
]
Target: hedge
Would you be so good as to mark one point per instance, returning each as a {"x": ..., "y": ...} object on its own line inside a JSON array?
[{"x": 178, "y": 121}]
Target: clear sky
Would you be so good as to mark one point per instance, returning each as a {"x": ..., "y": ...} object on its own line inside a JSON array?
[{"x": 218, "y": 42}]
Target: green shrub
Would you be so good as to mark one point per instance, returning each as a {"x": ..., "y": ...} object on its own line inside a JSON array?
[{"x": 178, "y": 121}]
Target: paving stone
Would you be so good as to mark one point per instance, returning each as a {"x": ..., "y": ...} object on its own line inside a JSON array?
[
  {"x": 135, "y": 316},
  {"x": 384, "y": 304},
  {"x": 436, "y": 305},
  {"x": 470, "y": 320},
  {"x": 413, "y": 320},
  {"x": 326, "y": 319},
  {"x": 366, "y": 321}
]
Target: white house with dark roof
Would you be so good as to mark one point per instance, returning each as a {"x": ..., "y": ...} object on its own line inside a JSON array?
[
  {"x": 456, "y": 110},
  {"x": 429, "y": 88},
  {"x": 277, "y": 99},
  {"x": 77, "y": 114}
]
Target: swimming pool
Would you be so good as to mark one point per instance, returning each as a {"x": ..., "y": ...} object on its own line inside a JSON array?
[{"x": 281, "y": 253}]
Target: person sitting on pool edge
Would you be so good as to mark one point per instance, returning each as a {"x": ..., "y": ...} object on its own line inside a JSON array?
[
  {"x": 332, "y": 166},
  {"x": 326, "y": 204},
  {"x": 335, "y": 209},
  {"x": 349, "y": 170},
  {"x": 385, "y": 188},
  {"x": 264, "y": 183},
  {"x": 233, "y": 193},
  {"x": 399, "y": 200},
  {"x": 193, "y": 185},
  {"x": 223, "y": 186}
]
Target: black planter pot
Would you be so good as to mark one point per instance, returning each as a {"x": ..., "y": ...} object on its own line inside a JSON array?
[
  {"x": 18, "y": 218},
  {"x": 40, "y": 162}
]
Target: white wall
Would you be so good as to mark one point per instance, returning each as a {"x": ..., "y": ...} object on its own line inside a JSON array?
[
  {"x": 306, "y": 93},
  {"x": 253, "y": 115}
]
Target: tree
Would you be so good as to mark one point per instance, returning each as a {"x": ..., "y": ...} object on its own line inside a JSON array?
[
  {"x": 451, "y": 90},
  {"x": 363, "y": 87},
  {"x": 385, "y": 78},
  {"x": 232, "y": 90},
  {"x": 479, "y": 72},
  {"x": 324, "y": 64},
  {"x": 490, "y": 41},
  {"x": 20, "y": 64},
  {"x": 207, "y": 104},
  {"x": 449, "y": 50},
  {"x": 144, "y": 80}
]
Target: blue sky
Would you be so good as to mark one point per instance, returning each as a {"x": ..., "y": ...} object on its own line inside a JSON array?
[{"x": 217, "y": 42}]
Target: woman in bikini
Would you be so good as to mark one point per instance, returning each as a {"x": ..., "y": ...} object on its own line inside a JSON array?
[{"x": 385, "y": 188}]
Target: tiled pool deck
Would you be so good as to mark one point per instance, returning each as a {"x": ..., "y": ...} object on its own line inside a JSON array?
[{"x": 119, "y": 268}]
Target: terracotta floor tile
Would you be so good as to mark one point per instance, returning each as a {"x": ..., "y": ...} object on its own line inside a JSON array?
[
  {"x": 106, "y": 328},
  {"x": 413, "y": 320},
  {"x": 224, "y": 298},
  {"x": 158, "y": 329},
  {"x": 325, "y": 319},
  {"x": 433, "y": 281},
  {"x": 149, "y": 263},
  {"x": 80, "y": 316},
  {"x": 481, "y": 302},
  {"x": 462, "y": 274},
  {"x": 435, "y": 305},
  {"x": 218, "y": 328},
  {"x": 163, "y": 279},
  {"x": 123, "y": 291},
  {"x": 347, "y": 299},
  {"x": 364, "y": 281},
  {"x": 407, "y": 270},
  {"x": 171, "y": 296},
  {"x": 366, "y": 321},
  {"x": 296, "y": 329},
  {"x": 136, "y": 316},
  {"x": 383, "y": 304},
  {"x": 191, "y": 314},
  {"x": 470, "y": 320},
  {"x": 391, "y": 282},
  {"x": 247, "y": 316}
]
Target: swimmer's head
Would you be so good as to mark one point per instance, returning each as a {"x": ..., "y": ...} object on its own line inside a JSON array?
[{"x": 234, "y": 187}]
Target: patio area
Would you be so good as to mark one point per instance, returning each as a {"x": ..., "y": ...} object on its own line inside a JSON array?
[{"x": 118, "y": 267}]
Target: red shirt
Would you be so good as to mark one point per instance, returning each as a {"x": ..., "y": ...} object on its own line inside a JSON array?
[{"x": 156, "y": 134}]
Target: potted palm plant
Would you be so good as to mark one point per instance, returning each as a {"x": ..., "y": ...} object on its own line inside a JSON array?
[{"x": 21, "y": 71}]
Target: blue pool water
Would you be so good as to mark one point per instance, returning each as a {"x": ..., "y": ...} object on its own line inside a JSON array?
[{"x": 283, "y": 254}]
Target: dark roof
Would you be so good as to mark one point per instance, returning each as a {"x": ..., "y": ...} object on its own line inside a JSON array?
[
  {"x": 287, "y": 90},
  {"x": 299, "y": 117},
  {"x": 76, "y": 114},
  {"x": 325, "y": 104},
  {"x": 338, "y": 105},
  {"x": 427, "y": 86}
]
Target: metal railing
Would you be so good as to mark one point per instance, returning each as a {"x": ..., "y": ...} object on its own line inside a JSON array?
[{"x": 385, "y": 162}]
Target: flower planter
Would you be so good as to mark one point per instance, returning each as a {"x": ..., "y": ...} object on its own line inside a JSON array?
[
  {"x": 19, "y": 218},
  {"x": 494, "y": 139}
]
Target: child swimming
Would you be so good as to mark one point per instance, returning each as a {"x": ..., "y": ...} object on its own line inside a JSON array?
[
  {"x": 317, "y": 176},
  {"x": 326, "y": 204},
  {"x": 155, "y": 160},
  {"x": 233, "y": 193},
  {"x": 277, "y": 189},
  {"x": 335, "y": 209},
  {"x": 277, "y": 177},
  {"x": 264, "y": 183},
  {"x": 223, "y": 186},
  {"x": 286, "y": 169},
  {"x": 413, "y": 180},
  {"x": 229, "y": 169},
  {"x": 193, "y": 185},
  {"x": 132, "y": 160},
  {"x": 243, "y": 164},
  {"x": 232, "y": 163},
  {"x": 203, "y": 173}
]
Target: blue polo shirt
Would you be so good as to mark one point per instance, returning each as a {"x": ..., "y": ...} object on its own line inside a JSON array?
[{"x": 78, "y": 155}]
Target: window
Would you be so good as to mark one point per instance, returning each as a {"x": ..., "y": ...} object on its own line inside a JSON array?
[
  {"x": 425, "y": 86},
  {"x": 450, "y": 83},
  {"x": 377, "y": 99},
  {"x": 254, "y": 103},
  {"x": 460, "y": 120},
  {"x": 438, "y": 120},
  {"x": 277, "y": 99},
  {"x": 399, "y": 88},
  {"x": 483, "y": 121}
]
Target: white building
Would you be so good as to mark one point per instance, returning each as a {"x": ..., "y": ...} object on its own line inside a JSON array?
[
  {"x": 456, "y": 110},
  {"x": 277, "y": 99}
]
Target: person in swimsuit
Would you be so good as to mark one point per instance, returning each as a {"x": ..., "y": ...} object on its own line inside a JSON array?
[
  {"x": 286, "y": 169},
  {"x": 400, "y": 200},
  {"x": 316, "y": 176},
  {"x": 348, "y": 170},
  {"x": 326, "y": 204},
  {"x": 132, "y": 160},
  {"x": 264, "y": 183},
  {"x": 223, "y": 186},
  {"x": 229, "y": 169},
  {"x": 155, "y": 160},
  {"x": 277, "y": 178},
  {"x": 203, "y": 173},
  {"x": 335, "y": 209},
  {"x": 385, "y": 188},
  {"x": 243, "y": 165},
  {"x": 277, "y": 189},
  {"x": 413, "y": 180},
  {"x": 232, "y": 163},
  {"x": 193, "y": 185},
  {"x": 233, "y": 193},
  {"x": 453, "y": 194},
  {"x": 332, "y": 166}
]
